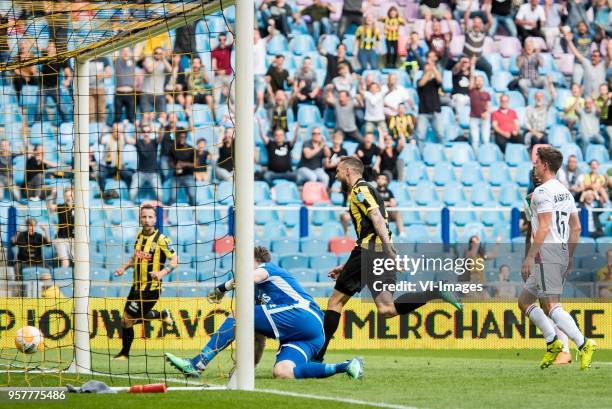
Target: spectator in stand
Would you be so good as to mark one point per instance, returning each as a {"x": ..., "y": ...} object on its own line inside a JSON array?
[
  {"x": 334, "y": 62},
  {"x": 147, "y": 171},
  {"x": 395, "y": 95},
  {"x": 604, "y": 276},
  {"x": 462, "y": 72},
  {"x": 185, "y": 41},
  {"x": 366, "y": 41},
  {"x": 572, "y": 176},
  {"x": 599, "y": 15},
  {"x": 572, "y": 103},
  {"x": 477, "y": 253},
  {"x": 335, "y": 152},
  {"x": 34, "y": 178},
  {"x": 480, "y": 112},
  {"x": 536, "y": 117},
  {"x": 99, "y": 70},
  {"x": 392, "y": 23},
  {"x": 463, "y": 6},
  {"x": 113, "y": 164},
  {"x": 277, "y": 13},
  {"x": 318, "y": 14},
  {"x": 529, "y": 19},
  {"x": 168, "y": 130},
  {"x": 310, "y": 168},
  {"x": 279, "y": 154},
  {"x": 277, "y": 76},
  {"x": 415, "y": 56},
  {"x": 428, "y": 90},
  {"x": 277, "y": 114},
  {"x": 602, "y": 105},
  {"x": 7, "y": 184},
  {"x": 182, "y": 160},
  {"x": 352, "y": 14},
  {"x": 434, "y": 8},
  {"x": 505, "y": 123},
  {"x": 388, "y": 161},
  {"x": 438, "y": 42},
  {"x": 344, "y": 81},
  {"x": 50, "y": 82},
  {"x": 501, "y": 12},
  {"x": 199, "y": 88},
  {"x": 305, "y": 87},
  {"x": 591, "y": 71},
  {"x": 588, "y": 124},
  {"x": 504, "y": 288},
  {"x": 224, "y": 168},
  {"x": 475, "y": 37},
  {"x": 368, "y": 152},
  {"x": 203, "y": 158},
  {"x": 152, "y": 99},
  {"x": 222, "y": 67},
  {"x": 64, "y": 239},
  {"x": 374, "y": 108},
  {"x": 529, "y": 62},
  {"x": 344, "y": 107},
  {"x": 589, "y": 200},
  {"x": 402, "y": 125},
  {"x": 260, "y": 67},
  {"x": 30, "y": 247},
  {"x": 554, "y": 13},
  {"x": 387, "y": 196},
  {"x": 125, "y": 86},
  {"x": 594, "y": 181},
  {"x": 576, "y": 13}
]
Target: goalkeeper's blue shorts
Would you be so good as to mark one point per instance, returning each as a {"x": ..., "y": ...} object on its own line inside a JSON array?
[{"x": 299, "y": 330}]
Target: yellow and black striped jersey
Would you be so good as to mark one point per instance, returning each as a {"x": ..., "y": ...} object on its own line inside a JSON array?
[
  {"x": 392, "y": 26},
  {"x": 368, "y": 37},
  {"x": 362, "y": 199},
  {"x": 150, "y": 254},
  {"x": 402, "y": 125}
]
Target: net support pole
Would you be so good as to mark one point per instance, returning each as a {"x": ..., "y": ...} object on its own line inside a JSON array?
[
  {"x": 243, "y": 176},
  {"x": 82, "y": 357}
]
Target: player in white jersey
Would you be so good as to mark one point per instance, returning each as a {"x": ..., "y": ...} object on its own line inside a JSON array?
[{"x": 555, "y": 231}]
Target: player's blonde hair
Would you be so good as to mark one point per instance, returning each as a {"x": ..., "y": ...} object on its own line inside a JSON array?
[{"x": 353, "y": 163}]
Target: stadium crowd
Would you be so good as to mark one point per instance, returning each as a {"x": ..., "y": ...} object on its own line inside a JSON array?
[{"x": 385, "y": 81}]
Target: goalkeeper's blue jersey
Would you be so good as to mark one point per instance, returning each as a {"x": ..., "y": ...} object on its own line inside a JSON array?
[{"x": 281, "y": 289}]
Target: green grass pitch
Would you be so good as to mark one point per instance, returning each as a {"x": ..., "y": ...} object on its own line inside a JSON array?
[{"x": 407, "y": 378}]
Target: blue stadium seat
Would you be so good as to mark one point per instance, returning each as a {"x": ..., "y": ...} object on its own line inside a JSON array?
[
  {"x": 327, "y": 230},
  {"x": 305, "y": 275},
  {"x": 302, "y": 44},
  {"x": 32, "y": 273},
  {"x": 183, "y": 275},
  {"x": 308, "y": 115},
  {"x": 63, "y": 273},
  {"x": 401, "y": 193},
  {"x": 586, "y": 247},
  {"x": 415, "y": 172},
  {"x": 323, "y": 262},
  {"x": 562, "y": 95},
  {"x": 471, "y": 173},
  {"x": 489, "y": 154},
  {"x": 433, "y": 217},
  {"x": 443, "y": 173},
  {"x": 523, "y": 175},
  {"x": 261, "y": 192},
  {"x": 193, "y": 292},
  {"x": 571, "y": 149},
  {"x": 225, "y": 193},
  {"x": 516, "y": 154},
  {"x": 272, "y": 229},
  {"x": 461, "y": 153},
  {"x": 313, "y": 246},
  {"x": 596, "y": 152},
  {"x": 102, "y": 291},
  {"x": 603, "y": 244},
  {"x": 509, "y": 195},
  {"x": 291, "y": 261},
  {"x": 592, "y": 262},
  {"x": 463, "y": 117},
  {"x": 285, "y": 246},
  {"x": 277, "y": 45},
  {"x": 499, "y": 173},
  {"x": 473, "y": 229},
  {"x": 559, "y": 135},
  {"x": 427, "y": 193},
  {"x": 500, "y": 80},
  {"x": 453, "y": 194},
  {"x": 319, "y": 215},
  {"x": 410, "y": 154},
  {"x": 464, "y": 217},
  {"x": 481, "y": 194},
  {"x": 491, "y": 218},
  {"x": 433, "y": 153},
  {"x": 287, "y": 193},
  {"x": 447, "y": 81},
  {"x": 100, "y": 275},
  {"x": 417, "y": 233},
  {"x": 329, "y": 43},
  {"x": 516, "y": 99},
  {"x": 169, "y": 292},
  {"x": 201, "y": 115},
  {"x": 265, "y": 216},
  {"x": 410, "y": 217}
]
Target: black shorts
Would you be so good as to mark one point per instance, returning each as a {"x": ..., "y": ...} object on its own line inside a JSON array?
[
  {"x": 357, "y": 273},
  {"x": 139, "y": 303}
]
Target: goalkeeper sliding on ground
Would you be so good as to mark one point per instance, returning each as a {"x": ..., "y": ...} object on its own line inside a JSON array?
[{"x": 284, "y": 312}]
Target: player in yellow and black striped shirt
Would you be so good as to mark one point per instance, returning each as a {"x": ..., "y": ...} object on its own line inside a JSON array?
[
  {"x": 373, "y": 245},
  {"x": 151, "y": 251},
  {"x": 392, "y": 22},
  {"x": 366, "y": 40}
]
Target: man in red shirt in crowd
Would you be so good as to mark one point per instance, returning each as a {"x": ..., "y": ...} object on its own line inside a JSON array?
[
  {"x": 221, "y": 64},
  {"x": 505, "y": 124}
]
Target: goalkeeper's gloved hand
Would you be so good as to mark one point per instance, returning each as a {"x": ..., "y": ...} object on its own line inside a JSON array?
[{"x": 216, "y": 296}]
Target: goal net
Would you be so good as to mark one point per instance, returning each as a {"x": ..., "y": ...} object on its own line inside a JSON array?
[{"x": 106, "y": 107}]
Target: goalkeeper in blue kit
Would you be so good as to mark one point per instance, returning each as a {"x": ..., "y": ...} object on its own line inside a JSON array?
[{"x": 285, "y": 312}]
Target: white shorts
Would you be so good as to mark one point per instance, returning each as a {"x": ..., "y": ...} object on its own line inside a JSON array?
[
  {"x": 64, "y": 248},
  {"x": 546, "y": 279}
]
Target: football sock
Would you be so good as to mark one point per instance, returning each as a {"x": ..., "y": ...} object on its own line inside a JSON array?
[
  {"x": 561, "y": 336},
  {"x": 331, "y": 320},
  {"x": 566, "y": 323},
  {"x": 409, "y": 302},
  {"x": 217, "y": 343},
  {"x": 152, "y": 315},
  {"x": 127, "y": 337},
  {"x": 539, "y": 318},
  {"x": 319, "y": 370}
]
